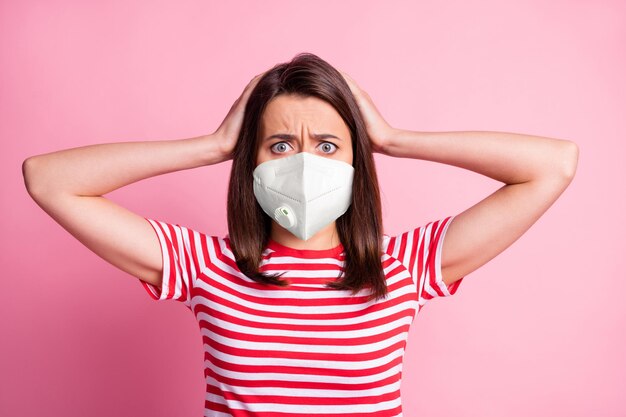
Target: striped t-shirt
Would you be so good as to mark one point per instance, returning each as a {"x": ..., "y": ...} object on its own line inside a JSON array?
[{"x": 303, "y": 349}]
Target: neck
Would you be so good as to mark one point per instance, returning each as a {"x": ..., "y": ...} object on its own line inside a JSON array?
[{"x": 327, "y": 238}]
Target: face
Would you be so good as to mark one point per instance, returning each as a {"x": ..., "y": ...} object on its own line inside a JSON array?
[{"x": 292, "y": 124}]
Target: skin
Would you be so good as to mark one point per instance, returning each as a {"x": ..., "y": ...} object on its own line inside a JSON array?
[
  {"x": 534, "y": 170},
  {"x": 303, "y": 117},
  {"x": 70, "y": 185}
]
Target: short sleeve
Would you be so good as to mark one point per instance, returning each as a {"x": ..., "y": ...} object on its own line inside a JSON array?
[
  {"x": 181, "y": 250},
  {"x": 420, "y": 250}
]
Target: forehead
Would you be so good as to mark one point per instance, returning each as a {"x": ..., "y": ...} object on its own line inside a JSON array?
[{"x": 288, "y": 112}]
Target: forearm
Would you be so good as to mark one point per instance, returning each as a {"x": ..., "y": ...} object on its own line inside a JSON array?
[
  {"x": 101, "y": 168},
  {"x": 508, "y": 157}
]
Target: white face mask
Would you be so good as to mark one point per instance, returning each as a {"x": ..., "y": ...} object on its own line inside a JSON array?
[{"x": 304, "y": 192}]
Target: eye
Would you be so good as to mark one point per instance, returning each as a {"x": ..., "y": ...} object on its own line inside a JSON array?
[
  {"x": 280, "y": 147},
  {"x": 327, "y": 147}
]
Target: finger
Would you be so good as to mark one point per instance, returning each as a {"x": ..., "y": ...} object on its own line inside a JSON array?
[
  {"x": 349, "y": 79},
  {"x": 346, "y": 76},
  {"x": 253, "y": 82},
  {"x": 351, "y": 84}
]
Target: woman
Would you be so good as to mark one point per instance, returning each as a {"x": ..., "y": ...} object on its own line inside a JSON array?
[{"x": 304, "y": 308}]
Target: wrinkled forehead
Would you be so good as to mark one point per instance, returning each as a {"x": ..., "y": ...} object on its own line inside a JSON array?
[{"x": 297, "y": 115}]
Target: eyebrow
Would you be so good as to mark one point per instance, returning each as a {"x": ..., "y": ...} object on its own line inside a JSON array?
[{"x": 287, "y": 136}]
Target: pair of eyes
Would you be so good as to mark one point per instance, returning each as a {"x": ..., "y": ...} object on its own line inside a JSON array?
[{"x": 327, "y": 147}]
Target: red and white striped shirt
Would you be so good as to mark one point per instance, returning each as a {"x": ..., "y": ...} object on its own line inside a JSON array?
[{"x": 303, "y": 349}]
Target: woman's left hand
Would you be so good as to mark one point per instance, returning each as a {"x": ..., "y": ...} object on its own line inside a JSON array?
[{"x": 378, "y": 130}]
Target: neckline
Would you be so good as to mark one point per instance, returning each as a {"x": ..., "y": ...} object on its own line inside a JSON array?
[{"x": 305, "y": 253}]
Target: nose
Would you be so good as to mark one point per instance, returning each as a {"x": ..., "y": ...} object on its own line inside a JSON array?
[{"x": 307, "y": 147}]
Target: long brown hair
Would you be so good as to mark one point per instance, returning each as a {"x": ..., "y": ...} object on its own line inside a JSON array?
[{"x": 359, "y": 228}]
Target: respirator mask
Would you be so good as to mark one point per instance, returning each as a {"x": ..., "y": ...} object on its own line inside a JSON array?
[{"x": 304, "y": 192}]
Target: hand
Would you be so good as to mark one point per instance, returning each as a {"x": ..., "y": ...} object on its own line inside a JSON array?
[
  {"x": 378, "y": 130},
  {"x": 228, "y": 131}
]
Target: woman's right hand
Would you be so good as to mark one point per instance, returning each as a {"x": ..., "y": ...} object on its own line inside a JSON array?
[{"x": 228, "y": 131}]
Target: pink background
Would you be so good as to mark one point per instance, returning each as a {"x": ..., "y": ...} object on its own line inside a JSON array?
[{"x": 536, "y": 331}]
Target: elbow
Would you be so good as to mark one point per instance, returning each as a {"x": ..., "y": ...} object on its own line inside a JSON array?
[
  {"x": 28, "y": 168},
  {"x": 569, "y": 159}
]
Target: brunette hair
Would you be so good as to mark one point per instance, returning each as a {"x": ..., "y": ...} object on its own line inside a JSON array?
[{"x": 359, "y": 228}]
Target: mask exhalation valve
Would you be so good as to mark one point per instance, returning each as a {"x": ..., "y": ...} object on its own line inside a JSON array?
[{"x": 285, "y": 216}]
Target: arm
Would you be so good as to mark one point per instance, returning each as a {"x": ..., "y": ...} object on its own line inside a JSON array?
[
  {"x": 536, "y": 170},
  {"x": 69, "y": 184}
]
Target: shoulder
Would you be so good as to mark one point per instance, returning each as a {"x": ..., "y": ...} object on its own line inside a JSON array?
[
  {"x": 199, "y": 244},
  {"x": 218, "y": 246},
  {"x": 389, "y": 248},
  {"x": 386, "y": 240}
]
